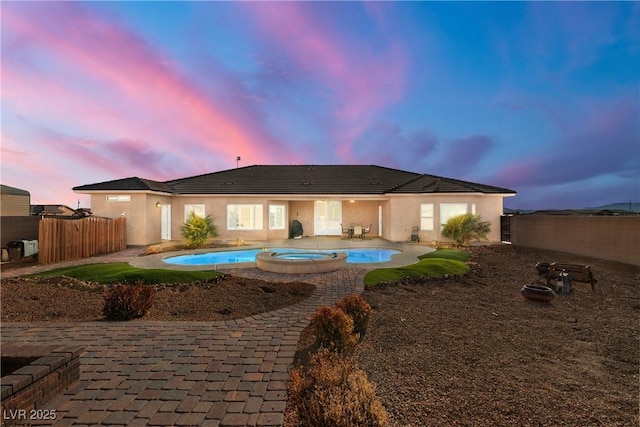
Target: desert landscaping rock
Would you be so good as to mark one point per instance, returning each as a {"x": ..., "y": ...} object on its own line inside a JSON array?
[{"x": 467, "y": 350}]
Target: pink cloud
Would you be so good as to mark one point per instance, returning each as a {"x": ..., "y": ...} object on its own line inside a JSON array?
[
  {"x": 70, "y": 49},
  {"x": 602, "y": 142},
  {"x": 358, "y": 80}
]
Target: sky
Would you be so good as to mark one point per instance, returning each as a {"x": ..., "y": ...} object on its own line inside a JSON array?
[{"x": 539, "y": 97}]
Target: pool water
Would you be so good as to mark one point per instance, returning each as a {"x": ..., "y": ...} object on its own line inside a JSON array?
[{"x": 354, "y": 256}]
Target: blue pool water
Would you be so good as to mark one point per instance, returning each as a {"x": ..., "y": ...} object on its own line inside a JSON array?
[{"x": 354, "y": 256}]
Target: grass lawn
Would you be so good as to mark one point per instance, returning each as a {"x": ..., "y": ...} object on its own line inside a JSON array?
[
  {"x": 448, "y": 254},
  {"x": 122, "y": 272},
  {"x": 438, "y": 263}
]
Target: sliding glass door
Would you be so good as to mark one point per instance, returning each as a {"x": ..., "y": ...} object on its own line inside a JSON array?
[{"x": 328, "y": 217}]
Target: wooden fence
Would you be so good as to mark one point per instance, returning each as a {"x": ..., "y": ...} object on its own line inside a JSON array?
[{"x": 67, "y": 239}]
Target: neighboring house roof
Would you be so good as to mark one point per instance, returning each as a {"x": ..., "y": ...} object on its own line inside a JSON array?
[
  {"x": 302, "y": 179},
  {"x": 5, "y": 189},
  {"x": 51, "y": 210}
]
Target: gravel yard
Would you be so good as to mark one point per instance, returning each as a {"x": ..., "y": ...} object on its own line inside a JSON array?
[{"x": 473, "y": 351}]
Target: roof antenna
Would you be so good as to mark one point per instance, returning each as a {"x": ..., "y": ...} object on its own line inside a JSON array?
[{"x": 237, "y": 161}]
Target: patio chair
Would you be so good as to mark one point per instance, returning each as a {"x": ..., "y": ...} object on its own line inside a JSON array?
[
  {"x": 357, "y": 231},
  {"x": 366, "y": 231},
  {"x": 414, "y": 234},
  {"x": 346, "y": 232}
]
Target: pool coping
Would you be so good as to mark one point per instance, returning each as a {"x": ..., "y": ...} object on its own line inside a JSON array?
[{"x": 408, "y": 254}]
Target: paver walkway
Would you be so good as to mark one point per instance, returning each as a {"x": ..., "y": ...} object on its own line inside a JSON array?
[{"x": 227, "y": 373}]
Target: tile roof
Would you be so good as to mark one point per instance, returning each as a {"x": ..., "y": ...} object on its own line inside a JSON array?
[
  {"x": 126, "y": 184},
  {"x": 436, "y": 184},
  {"x": 302, "y": 179}
]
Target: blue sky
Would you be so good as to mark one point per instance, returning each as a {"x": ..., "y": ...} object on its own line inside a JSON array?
[{"x": 539, "y": 97}]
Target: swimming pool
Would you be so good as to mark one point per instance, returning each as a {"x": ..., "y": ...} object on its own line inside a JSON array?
[{"x": 354, "y": 256}]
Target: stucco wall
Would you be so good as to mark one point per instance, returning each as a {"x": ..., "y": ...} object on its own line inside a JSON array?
[
  {"x": 303, "y": 212},
  {"x": 18, "y": 228},
  {"x": 610, "y": 238},
  {"x": 143, "y": 217},
  {"x": 399, "y": 214},
  {"x": 404, "y": 213},
  {"x": 361, "y": 212}
]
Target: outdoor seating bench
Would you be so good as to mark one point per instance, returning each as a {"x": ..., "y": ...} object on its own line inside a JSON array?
[{"x": 577, "y": 273}]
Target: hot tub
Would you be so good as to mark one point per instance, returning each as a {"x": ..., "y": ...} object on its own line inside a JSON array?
[{"x": 300, "y": 262}]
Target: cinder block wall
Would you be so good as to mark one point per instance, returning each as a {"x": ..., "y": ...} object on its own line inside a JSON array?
[
  {"x": 602, "y": 237},
  {"x": 18, "y": 228}
]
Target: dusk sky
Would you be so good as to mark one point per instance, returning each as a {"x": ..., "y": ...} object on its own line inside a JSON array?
[{"x": 539, "y": 97}]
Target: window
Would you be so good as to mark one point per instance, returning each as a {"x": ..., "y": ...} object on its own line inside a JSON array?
[
  {"x": 277, "y": 217},
  {"x": 119, "y": 198},
  {"x": 426, "y": 216},
  {"x": 448, "y": 210},
  {"x": 198, "y": 210},
  {"x": 244, "y": 217}
]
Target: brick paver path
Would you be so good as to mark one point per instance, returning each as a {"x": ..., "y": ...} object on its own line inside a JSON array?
[{"x": 227, "y": 373}]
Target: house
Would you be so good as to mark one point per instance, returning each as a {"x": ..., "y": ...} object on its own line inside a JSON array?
[
  {"x": 52, "y": 210},
  {"x": 259, "y": 202},
  {"x": 59, "y": 211},
  {"x": 14, "y": 201}
]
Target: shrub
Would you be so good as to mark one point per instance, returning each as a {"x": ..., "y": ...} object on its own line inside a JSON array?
[
  {"x": 334, "y": 329},
  {"x": 359, "y": 310},
  {"x": 126, "y": 302},
  {"x": 463, "y": 228},
  {"x": 196, "y": 230},
  {"x": 333, "y": 392}
]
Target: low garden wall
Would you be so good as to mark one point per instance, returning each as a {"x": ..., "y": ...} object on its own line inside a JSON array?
[
  {"x": 18, "y": 228},
  {"x": 34, "y": 375},
  {"x": 604, "y": 237}
]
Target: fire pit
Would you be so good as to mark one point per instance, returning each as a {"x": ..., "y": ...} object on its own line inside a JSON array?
[{"x": 537, "y": 293}]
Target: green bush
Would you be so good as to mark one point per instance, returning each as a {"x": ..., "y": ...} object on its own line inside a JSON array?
[
  {"x": 197, "y": 230},
  {"x": 334, "y": 329},
  {"x": 359, "y": 310},
  {"x": 333, "y": 392},
  {"x": 463, "y": 228},
  {"x": 127, "y": 302}
]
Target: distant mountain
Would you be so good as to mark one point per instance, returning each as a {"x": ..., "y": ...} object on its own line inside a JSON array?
[{"x": 635, "y": 207}]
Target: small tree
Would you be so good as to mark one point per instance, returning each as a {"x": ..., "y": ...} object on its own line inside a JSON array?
[
  {"x": 463, "y": 228},
  {"x": 196, "y": 230}
]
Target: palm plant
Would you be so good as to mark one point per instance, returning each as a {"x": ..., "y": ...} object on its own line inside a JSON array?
[
  {"x": 463, "y": 228},
  {"x": 196, "y": 230}
]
